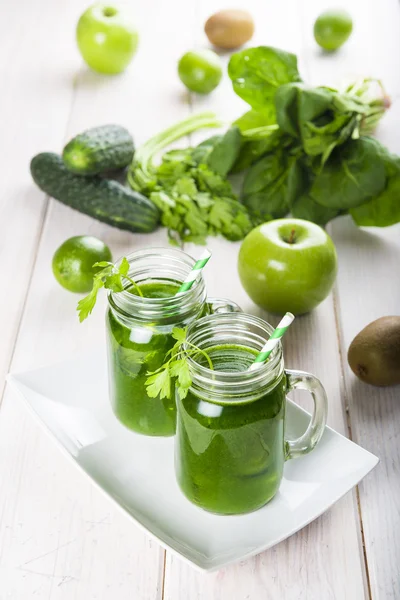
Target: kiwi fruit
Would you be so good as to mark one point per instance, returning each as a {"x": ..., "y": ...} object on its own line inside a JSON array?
[
  {"x": 374, "y": 354},
  {"x": 229, "y": 29}
]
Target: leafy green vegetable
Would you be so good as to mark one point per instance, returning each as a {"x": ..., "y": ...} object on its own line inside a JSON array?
[
  {"x": 189, "y": 186},
  {"x": 253, "y": 119},
  {"x": 265, "y": 188},
  {"x": 220, "y": 152},
  {"x": 251, "y": 151},
  {"x": 351, "y": 176},
  {"x": 110, "y": 277},
  {"x": 257, "y": 73},
  {"x": 384, "y": 209},
  {"x": 260, "y": 134},
  {"x": 175, "y": 367},
  {"x": 305, "y": 147},
  {"x": 321, "y": 117},
  {"x": 304, "y": 207}
]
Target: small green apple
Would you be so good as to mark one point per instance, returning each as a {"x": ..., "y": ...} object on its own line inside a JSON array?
[
  {"x": 107, "y": 38},
  {"x": 287, "y": 265},
  {"x": 200, "y": 70}
]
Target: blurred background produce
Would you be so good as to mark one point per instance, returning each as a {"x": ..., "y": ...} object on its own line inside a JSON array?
[
  {"x": 107, "y": 38},
  {"x": 229, "y": 29},
  {"x": 200, "y": 70},
  {"x": 332, "y": 29}
]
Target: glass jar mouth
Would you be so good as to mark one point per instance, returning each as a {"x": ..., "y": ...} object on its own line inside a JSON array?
[
  {"x": 158, "y": 264},
  {"x": 238, "y": 329}
]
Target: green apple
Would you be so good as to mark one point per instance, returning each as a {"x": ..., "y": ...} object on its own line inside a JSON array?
[
  {"x": 287, "y": 265},
  {"x": 107, "y": 38},
  {"x": 200, "y": 70}
]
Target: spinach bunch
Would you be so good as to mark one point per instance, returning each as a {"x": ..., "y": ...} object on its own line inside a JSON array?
[{"x": 307, "y": 149}]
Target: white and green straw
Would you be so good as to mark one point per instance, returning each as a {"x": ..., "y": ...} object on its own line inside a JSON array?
[
  {"x": 273, "y": 340},
  {"x": 194, "y": 273}
]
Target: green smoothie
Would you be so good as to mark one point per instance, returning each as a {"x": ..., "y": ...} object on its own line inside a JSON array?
[
  {"x": 132, "y": 353},
  {"x": 230, "y": 454}
]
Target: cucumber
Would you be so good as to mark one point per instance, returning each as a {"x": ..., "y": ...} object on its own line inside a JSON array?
[
  {"x": 99, "y": 150},
  {"x": 102, "y": 199}
]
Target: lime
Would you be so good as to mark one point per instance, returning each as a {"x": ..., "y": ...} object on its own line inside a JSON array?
[
  {"x": 332, "y": 29},
  {"x": 73, "y": 262},
  {"x": 200, "y": 71}
]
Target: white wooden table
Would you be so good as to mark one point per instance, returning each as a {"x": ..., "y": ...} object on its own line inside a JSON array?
[{"x": 60, "y": 538}]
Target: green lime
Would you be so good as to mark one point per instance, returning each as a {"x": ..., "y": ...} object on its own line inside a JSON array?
[
  {"x": 73, "y": 262},
  {"x": 332, "y": 29},
  {"x": 200, "y": 71}
]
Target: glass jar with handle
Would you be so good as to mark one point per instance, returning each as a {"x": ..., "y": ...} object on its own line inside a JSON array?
[
  {"x": 230, "y": 440},
  {"x": 139, "y": 326}
]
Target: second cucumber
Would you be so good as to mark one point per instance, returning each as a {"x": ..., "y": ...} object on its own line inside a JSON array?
[
  {"x": 102, "y": 199},
  {"x": 99, "y": 150}
]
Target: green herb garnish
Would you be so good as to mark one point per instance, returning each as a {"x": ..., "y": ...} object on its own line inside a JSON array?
[
  {"x": 159, "y": 382},
  {"x": 110, "y": 277},
  {"x": 190, "y": 186}
]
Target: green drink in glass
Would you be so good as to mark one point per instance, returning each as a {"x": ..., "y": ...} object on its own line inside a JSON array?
[
  {"x": 230, "y": 439},
  {"x": 139, "y": 334}
]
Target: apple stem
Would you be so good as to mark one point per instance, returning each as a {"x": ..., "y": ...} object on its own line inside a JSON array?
[{"x": 292, "y": 236}]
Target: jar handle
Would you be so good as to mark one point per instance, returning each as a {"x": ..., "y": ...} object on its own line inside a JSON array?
[
  {"x": 301, "y": 380},
  {"x": 222, "y": 305}
]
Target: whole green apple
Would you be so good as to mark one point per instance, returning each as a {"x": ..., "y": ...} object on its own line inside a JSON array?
[
  {"x": 107, "y": 38},
  {"x": 200, "y": 70},
  {"x": 287, "y": 265}
]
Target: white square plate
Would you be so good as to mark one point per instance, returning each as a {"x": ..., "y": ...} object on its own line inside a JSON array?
[{"x": 137, "y": 472}]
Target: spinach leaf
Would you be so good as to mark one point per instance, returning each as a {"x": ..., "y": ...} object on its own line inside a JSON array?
[
  {"x": 253, "y": 119},
  {"x": 251, "y": 151},
  {"x": 225, "y": 152},
  {"x": 353, "y": 174},
  {"x": 304, "y": 207},
  {"x": 201, "y": 152},
  {"x": 256, "y": 73},
  {"x": 314, "y": 115},
  {"x": 255, "y": 144},
  {"x": 286, "y": 105},
  {"x": 298, "y": 180},
  {"x": 219, "y": 152},
  {"x": 384, "y": 209},
  {"x": 266, "y": 186}
]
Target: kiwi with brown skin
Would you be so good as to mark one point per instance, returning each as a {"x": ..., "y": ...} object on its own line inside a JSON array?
[
  {"x": 374, "y": 354},
  {"x": 229, "y": 29}
]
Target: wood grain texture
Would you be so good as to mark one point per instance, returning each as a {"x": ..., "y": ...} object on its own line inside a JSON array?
[
  {"x": 27, "y": 126},
  {"x": 368, "y": 287}
]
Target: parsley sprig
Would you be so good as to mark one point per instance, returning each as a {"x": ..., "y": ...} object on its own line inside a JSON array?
[
  {"x": 189, "y": 186},
  {"x": 111, "y": 278},
  {"x": 175, "y": 367}
]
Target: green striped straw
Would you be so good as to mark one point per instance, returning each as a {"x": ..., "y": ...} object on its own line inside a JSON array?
[
  {"x": 194, "y": 273},
  {"x": 273, "y": 340}
]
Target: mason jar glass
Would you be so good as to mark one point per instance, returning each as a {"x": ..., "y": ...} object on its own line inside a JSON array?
[
  {"x": 139, "y": 334},
  {"x": 230, "y": 440}
]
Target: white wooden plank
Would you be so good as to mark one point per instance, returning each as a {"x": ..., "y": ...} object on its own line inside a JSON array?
[
  {"x": 367, "y": 289},
  {"x": 306, "y": 565},
  {"x": 27, "y": 126},
  {"x": 59, "y": 538}
]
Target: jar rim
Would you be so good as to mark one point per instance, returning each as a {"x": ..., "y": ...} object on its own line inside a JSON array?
[
  {"x": 172, "y": 263},
  {"x": 220, "y": 383}
]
